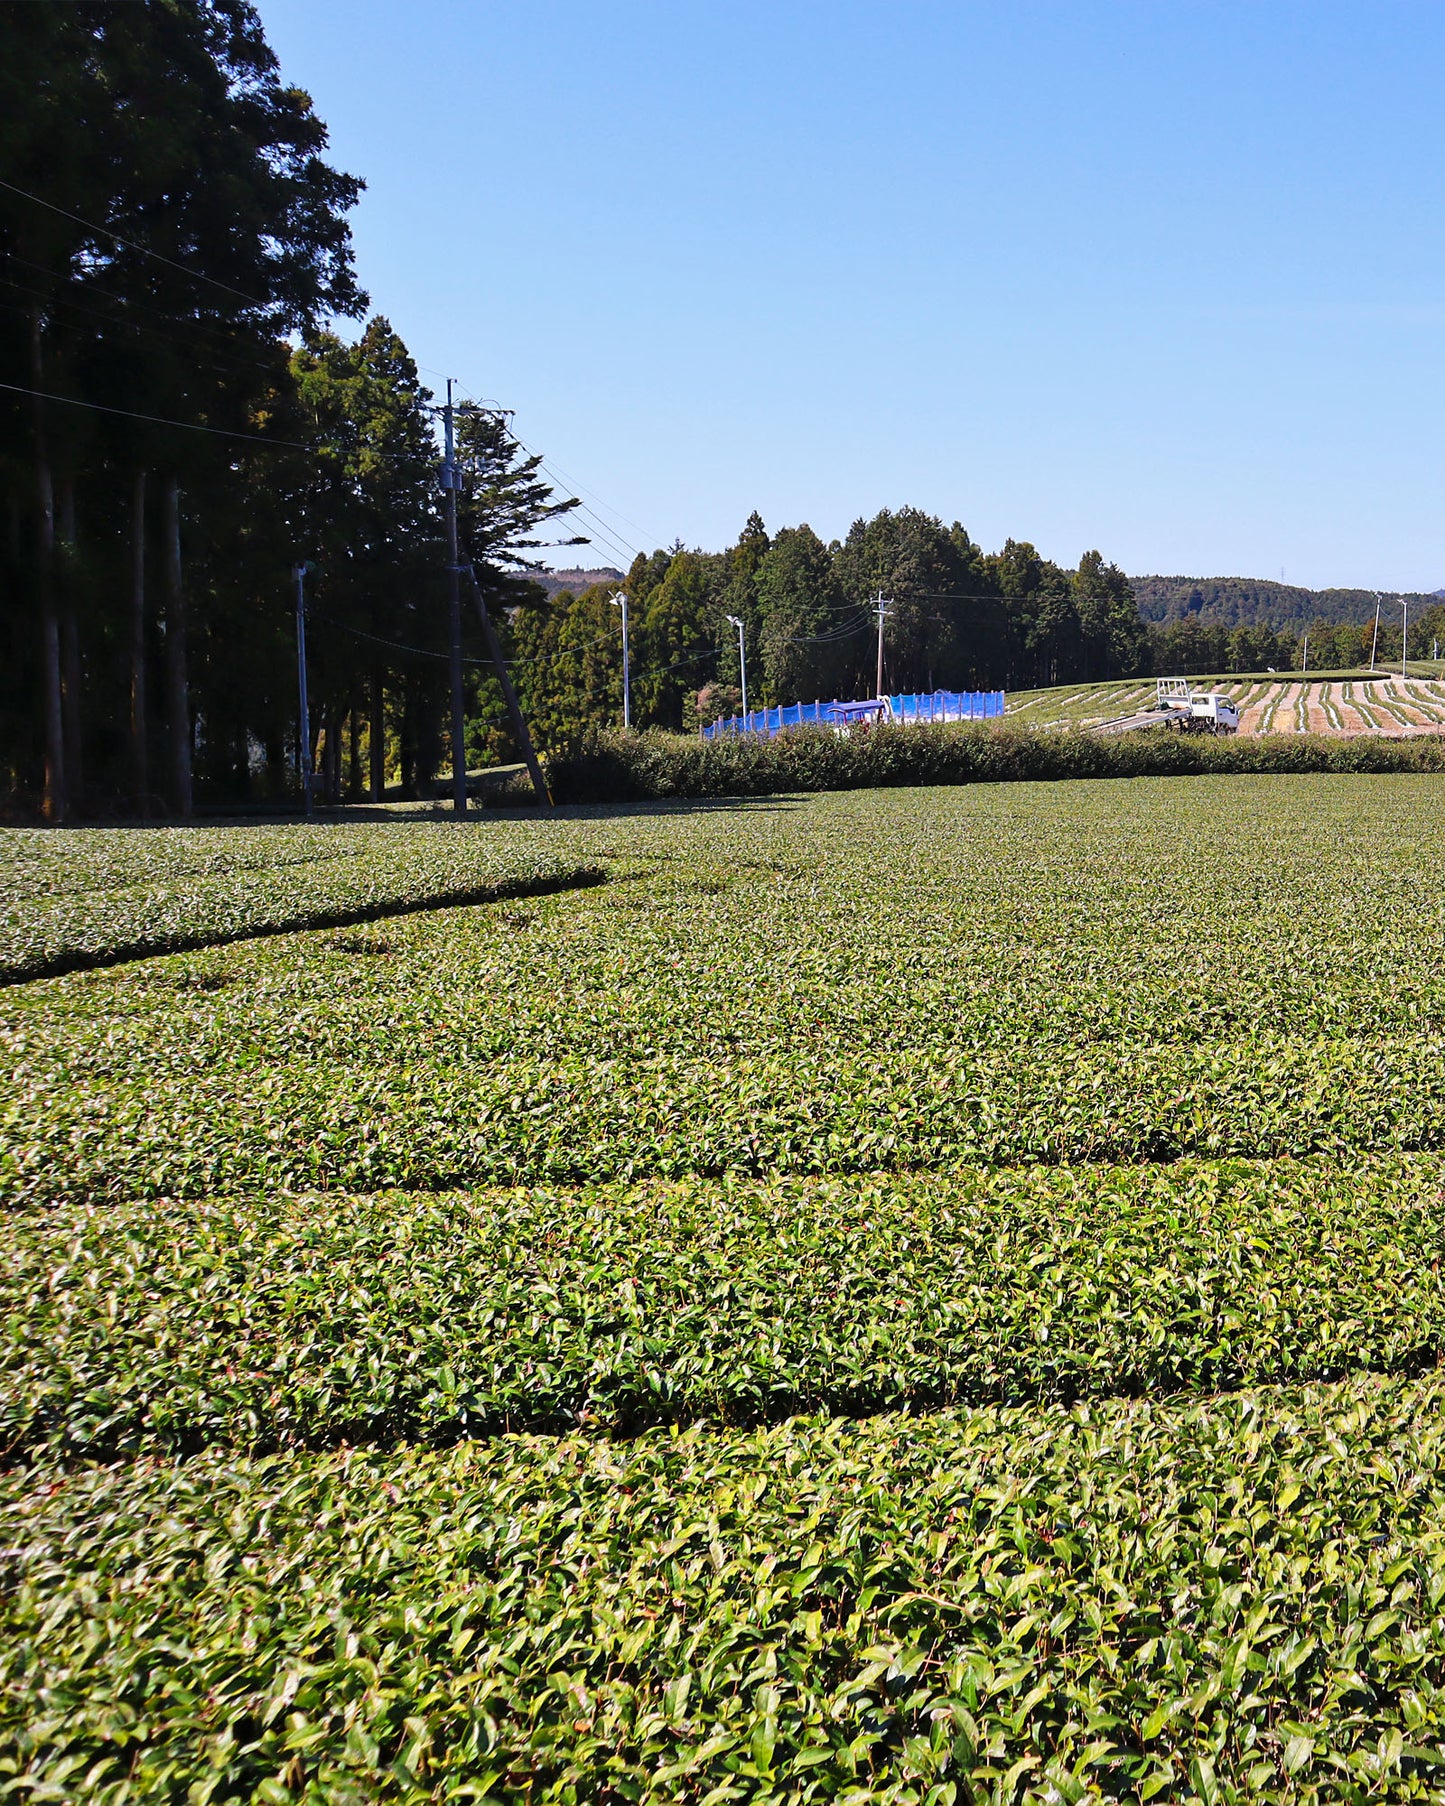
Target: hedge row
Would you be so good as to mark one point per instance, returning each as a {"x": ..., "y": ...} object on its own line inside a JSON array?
[
  {"x": 580, "y": 1120},
  {"x": 619, "y": 767},
  {"x": 1223, "y": 1600},
  {"x": 158, "y": 1329},
  {"x": 95, "y": 899}
]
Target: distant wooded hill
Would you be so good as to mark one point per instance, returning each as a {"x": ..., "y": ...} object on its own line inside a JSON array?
[
  {"x": 1253, "y": 602},
  {"x": 554, "y": 582}
]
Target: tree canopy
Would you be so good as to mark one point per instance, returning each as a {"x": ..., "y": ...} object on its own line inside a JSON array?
[{"x": 185, "y": 422}]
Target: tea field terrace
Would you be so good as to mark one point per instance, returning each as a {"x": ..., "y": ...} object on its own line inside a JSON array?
[
  {"x": 1313, "y": 702},
  {"x": 913, "y": 1296}
]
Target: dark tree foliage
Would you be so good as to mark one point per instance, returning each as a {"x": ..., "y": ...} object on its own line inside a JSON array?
[
  {"x": 177, "y": 217},
  {"x": 173, "y": 246},
  {"x": 807, "y": 629},
  {"x": 568, "y": 668}
]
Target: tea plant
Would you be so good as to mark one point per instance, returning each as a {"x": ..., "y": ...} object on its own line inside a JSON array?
[
  {"x": 1227, "y": 1600},
  {"x": 82, "y": 900},
  {"x": 974, "y": 1255},
  {"x": 278, "y": 1322}
]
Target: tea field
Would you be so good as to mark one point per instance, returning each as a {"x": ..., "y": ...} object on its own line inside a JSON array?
[
  {"x": 920, "y": 1296},
  {"x": 1378, "y": 703}
]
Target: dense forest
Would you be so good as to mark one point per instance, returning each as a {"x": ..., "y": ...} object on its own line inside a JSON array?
[
  {"x": 183, "y": 425},
  {"x": 956, "y": 618},
  {"x": 1196, "y": 645},
  {"x": 1256, "y": 602},
  {"x": 959, "y": 618}
]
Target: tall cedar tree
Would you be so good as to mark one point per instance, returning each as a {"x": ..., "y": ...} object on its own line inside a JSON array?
[{"x": 162, "y": 125}]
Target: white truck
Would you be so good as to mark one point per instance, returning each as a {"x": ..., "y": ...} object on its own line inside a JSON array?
[
  {"x": 1195, "y": 711},
  {"x": 1177, "y": 704}
]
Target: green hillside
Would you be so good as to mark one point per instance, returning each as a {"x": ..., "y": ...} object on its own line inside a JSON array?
[{"x": 1253, "y": 601}]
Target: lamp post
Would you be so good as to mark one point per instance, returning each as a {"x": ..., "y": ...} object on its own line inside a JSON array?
[
  {"x": 742, "y": 661},
  {"x": 619, "y": 600},
  {"x": 299, "y": 572}
]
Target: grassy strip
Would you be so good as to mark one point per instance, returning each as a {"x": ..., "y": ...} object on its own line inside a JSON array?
[
  {"x": 38, "y": 865},
  {"x": 580, "y": 1120},
  {"x": 1226, "y": 1600},
  {"x": 81, "y": 928},
  {"x": 309, "y": 1322},
  {"x": 621, "y": 766}
]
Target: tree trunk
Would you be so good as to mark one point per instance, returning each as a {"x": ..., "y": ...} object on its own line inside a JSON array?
[
  {"x": 428, "y": 738},
  {"x": 408, "y": 739},
  {"x": 333, "y": 755},
  {"x": 241, "y": 761},
  {"x": 353, "y": 776},
  {"x": 56, "y": 800},
  {"x": 139, "y": 724},
  {"x": 378, "y": 738},
  {"x": 277, "y": 770},
  {"x": 69, "y": 644},
  {"x": 178, "y": 701}
]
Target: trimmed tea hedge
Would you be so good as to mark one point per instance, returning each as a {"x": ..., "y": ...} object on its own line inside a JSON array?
[
  {"x": 843, "y": 983},
  {"x": 187, "y": 1132},
  {"x": 1212, "y": 1598},
  {"x": 1225, "y": 1600},
  {"x": 159, "y": 1329},
  {"x": 617, "y": 767},
  {"x": 76, "y": 901}
]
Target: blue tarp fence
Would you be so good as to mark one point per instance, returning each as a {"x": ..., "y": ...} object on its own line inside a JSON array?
[{"x": 941, "y": 705}]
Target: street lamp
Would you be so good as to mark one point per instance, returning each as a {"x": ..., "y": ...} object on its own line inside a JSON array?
[
  {"x": 298, "y": 571},
  {"x": 742, "y": 662},
  {"x": 619, "y": 600}
]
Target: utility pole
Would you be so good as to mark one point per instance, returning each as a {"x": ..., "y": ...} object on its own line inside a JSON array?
[
  {"x": 304, "y": 751},
  {"x": 619, "y": 600},
  {"x": 451, "y": 483},
  {"x": 1304, "y": 661},
  {"x": 882, "y": 604},
  {"x": 742, "y": 661},
  {"x": 509, "y": 694},
  {"x": 1374, "y": 643},
  {"x": 1404, "y": 634}
]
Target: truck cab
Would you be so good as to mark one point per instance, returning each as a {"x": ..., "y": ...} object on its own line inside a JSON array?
[
  {"x": 1213, "y": 713},
  {"x": 1179, "y": 705}
]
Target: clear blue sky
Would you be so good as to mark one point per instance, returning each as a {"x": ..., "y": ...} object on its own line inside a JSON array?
[{"x": 1167, "y": 279}]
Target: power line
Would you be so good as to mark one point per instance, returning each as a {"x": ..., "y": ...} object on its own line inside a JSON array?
[
  {"x": 563, "y": 481},
  {"x": 186, "y": 426},
  {"x": 617, "y": 541},
  {"x": 169, "y": 325},
  {"x": 599, "y": 529},
  {"x": 613, "y": 541},
  {"x": 571, "y": 483},
  {"x": 860, "y": 624},
  {"x": 380, "y": 640},
  {"x": 130, "y": 245}
]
